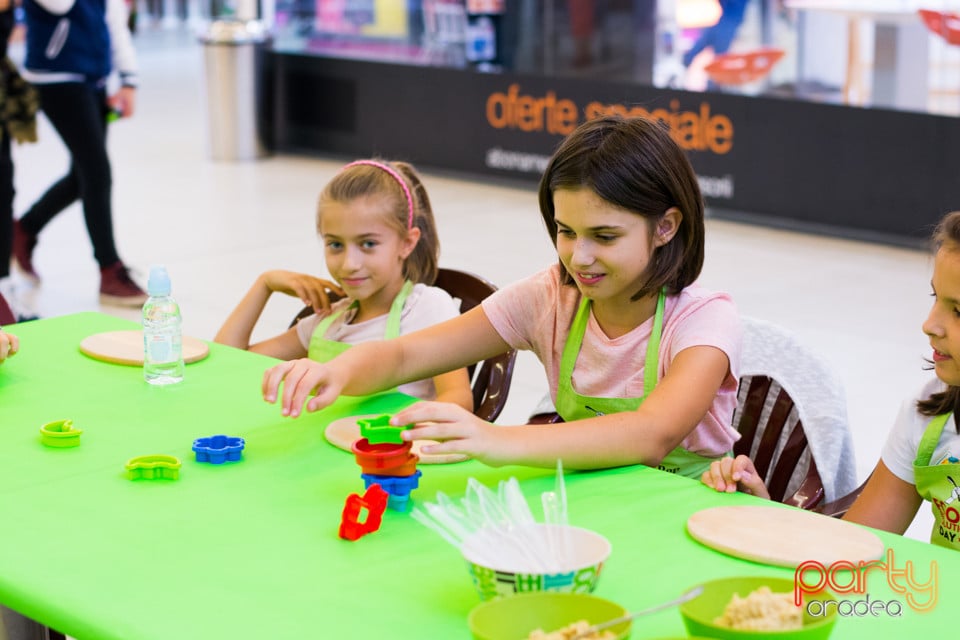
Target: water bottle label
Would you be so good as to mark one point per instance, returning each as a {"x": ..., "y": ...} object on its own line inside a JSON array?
[{"x": 163, "y": 349}]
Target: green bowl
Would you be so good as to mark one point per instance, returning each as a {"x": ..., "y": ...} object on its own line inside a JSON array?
[
  {"x": 515, "y": 617},
  {"x": 699, "y": 613}
]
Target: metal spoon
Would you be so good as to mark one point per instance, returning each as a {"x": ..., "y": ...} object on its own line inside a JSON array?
[{"x": 689, "y": 595}]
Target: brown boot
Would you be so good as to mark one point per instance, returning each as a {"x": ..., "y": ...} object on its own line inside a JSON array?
[
  {"x": 117, "y": 288},
  {"x": 23, "y": 244}
]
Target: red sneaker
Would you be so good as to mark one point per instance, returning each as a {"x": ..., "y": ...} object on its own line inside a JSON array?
[
  {"x": 117, "y": 288},
  {"x": 23, "y": 244}
]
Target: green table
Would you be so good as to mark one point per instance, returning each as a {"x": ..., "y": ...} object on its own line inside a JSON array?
[{"x": 250, "y": 549}]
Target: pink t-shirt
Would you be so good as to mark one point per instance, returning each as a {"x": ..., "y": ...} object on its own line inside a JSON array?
[{"x": 536, "y": 314}]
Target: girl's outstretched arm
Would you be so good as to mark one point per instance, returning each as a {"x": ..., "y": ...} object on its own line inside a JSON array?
[
  {"x": 887, "y": 502},
  {"x": 375, "y": 366},
  {"x": 673, "y": 410},
  {"x": 238, "y": 327}
]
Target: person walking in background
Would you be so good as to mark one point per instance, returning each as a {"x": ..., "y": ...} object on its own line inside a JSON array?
[
  {"x": 18, "y": 111},
  {"x": 70, "y": 44}
]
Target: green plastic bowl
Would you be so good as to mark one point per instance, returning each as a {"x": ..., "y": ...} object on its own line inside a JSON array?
[
  {"x": 515, "y": 617},
  {"x": 698, "y": 614}
]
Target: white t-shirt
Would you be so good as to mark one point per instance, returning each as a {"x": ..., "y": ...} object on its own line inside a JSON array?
[
  {"x": 425, "y": 306},
  {"x": 900, "y": 449}
]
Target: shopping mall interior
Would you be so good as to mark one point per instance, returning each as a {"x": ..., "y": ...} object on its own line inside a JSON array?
[{"x": 852, "y": 287}]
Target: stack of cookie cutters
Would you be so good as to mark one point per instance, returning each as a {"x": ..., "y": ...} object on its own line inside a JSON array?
[{"x": 386, "y": 459}]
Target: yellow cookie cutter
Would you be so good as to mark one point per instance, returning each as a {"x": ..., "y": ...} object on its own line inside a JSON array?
[
  {"x": 155, "y": 467},
  {"x": 60, "y": 433}
]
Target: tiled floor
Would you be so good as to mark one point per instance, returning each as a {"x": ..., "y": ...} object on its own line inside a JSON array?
[{"x": 216, "y": 226}]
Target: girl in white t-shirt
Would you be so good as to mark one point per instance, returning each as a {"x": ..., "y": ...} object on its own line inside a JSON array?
[
  {"x": 381, "y": 247},
  {"x": 921, "y": 458},
  {"x": 641, "y": 362}
]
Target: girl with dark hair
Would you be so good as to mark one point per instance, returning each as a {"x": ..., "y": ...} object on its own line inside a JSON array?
[
  {"x": 921, "y": 458},
  {"x": 381, "y": 247},
  {"x": 641, "y": 362}
]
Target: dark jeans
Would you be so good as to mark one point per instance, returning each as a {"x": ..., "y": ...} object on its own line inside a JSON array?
[{"x": 78, "y": 112}]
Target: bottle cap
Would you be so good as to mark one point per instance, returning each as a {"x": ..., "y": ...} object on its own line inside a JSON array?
[{"x": 159, "y": 282}]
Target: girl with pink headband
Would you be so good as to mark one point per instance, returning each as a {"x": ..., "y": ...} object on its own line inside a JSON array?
[{"x": 381, "y": 248}]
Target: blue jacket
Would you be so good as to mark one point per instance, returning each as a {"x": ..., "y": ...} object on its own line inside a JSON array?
[{"x": 77, "y": 42}]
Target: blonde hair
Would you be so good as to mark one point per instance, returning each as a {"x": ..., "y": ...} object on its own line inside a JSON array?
[{"x": 377, "y": 177}]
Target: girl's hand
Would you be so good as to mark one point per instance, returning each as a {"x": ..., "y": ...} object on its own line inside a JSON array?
[
  {"x": 300, "y": 378},
  {"x": 458, "y": 430},
  {"x": 9, "y": 345},
  {"x": 735, "y": 474},
  {"x": 312, "y": 291}
]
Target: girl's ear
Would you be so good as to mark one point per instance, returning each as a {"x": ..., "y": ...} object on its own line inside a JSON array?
[
  {"x": 667, "y": 227},
  {"x": 410, "y": 242}
]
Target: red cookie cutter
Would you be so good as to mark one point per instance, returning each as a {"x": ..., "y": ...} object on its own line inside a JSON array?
[{"x": 374, "y": 501}]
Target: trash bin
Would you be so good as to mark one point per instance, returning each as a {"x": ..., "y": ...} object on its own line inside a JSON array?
[{"x": 233, "y": 52}]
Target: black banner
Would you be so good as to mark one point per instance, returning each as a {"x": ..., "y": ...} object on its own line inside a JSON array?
[{"x": 876, "y": 173}]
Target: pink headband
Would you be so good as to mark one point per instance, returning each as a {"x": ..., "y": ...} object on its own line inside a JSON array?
[{"x": 396, "y": 176}]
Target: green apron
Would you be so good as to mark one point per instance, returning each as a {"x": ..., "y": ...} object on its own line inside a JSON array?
[
  {"x": 573, "y": 406},
  {"x": 938, "y": 484},
  {"x": 323, "y": 350}
]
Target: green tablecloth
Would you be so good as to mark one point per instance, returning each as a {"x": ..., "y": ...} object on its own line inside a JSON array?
[{"x": 250, "y": 549}]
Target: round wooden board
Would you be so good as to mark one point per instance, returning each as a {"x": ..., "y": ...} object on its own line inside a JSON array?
[
  {"x": 344, "y": 432},
  {"x": 126, "y": 347},
  {"x": 782, "y": 537}
]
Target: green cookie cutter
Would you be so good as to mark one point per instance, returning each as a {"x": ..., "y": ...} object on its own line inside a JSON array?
[
  {"x": 379, "y": 430},
  {"x": 155, "y": 467},
  {"x": 60, "y": 434}
]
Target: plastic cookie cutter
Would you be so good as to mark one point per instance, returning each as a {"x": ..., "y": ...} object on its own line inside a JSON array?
[
  {"x": 60, "y": 433},
  {"x": 394, "y": 485},
  {"x": 155, "y": 467},
  {"x": 218, "y": 449},
  {"x": 374, "y": 501},
  {"x": 398, "y": 488},
  {"x": 385, "y": 458},
  {"x": 378, "y": 430}
]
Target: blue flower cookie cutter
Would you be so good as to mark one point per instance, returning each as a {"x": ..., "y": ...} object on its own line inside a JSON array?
[
  {"x": 398, "y": 488},
  {"x": 60, "y": 434},
  {"x": 218, "y": 449},
  {"x": 153, "y": 467}
]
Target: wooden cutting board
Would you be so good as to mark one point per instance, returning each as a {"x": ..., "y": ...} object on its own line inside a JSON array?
[
  {"x": 782, "y": 537},
  {"x": 126, "y": 347},
  {"x": 344, "y": 432}
]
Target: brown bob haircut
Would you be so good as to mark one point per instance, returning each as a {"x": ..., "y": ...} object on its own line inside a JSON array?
[
  {"x": 634, "y": 164},
  {"x": 945, "y": 236}
]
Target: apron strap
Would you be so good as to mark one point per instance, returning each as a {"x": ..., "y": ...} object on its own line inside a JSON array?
[
  {"x": 652, "y": 363},
  {"x": 396, "y": 310},
  {"x": 931, "y": 436}
]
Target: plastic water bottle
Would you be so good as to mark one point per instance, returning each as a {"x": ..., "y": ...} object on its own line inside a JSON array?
[{"x": 162, "y": 350}]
